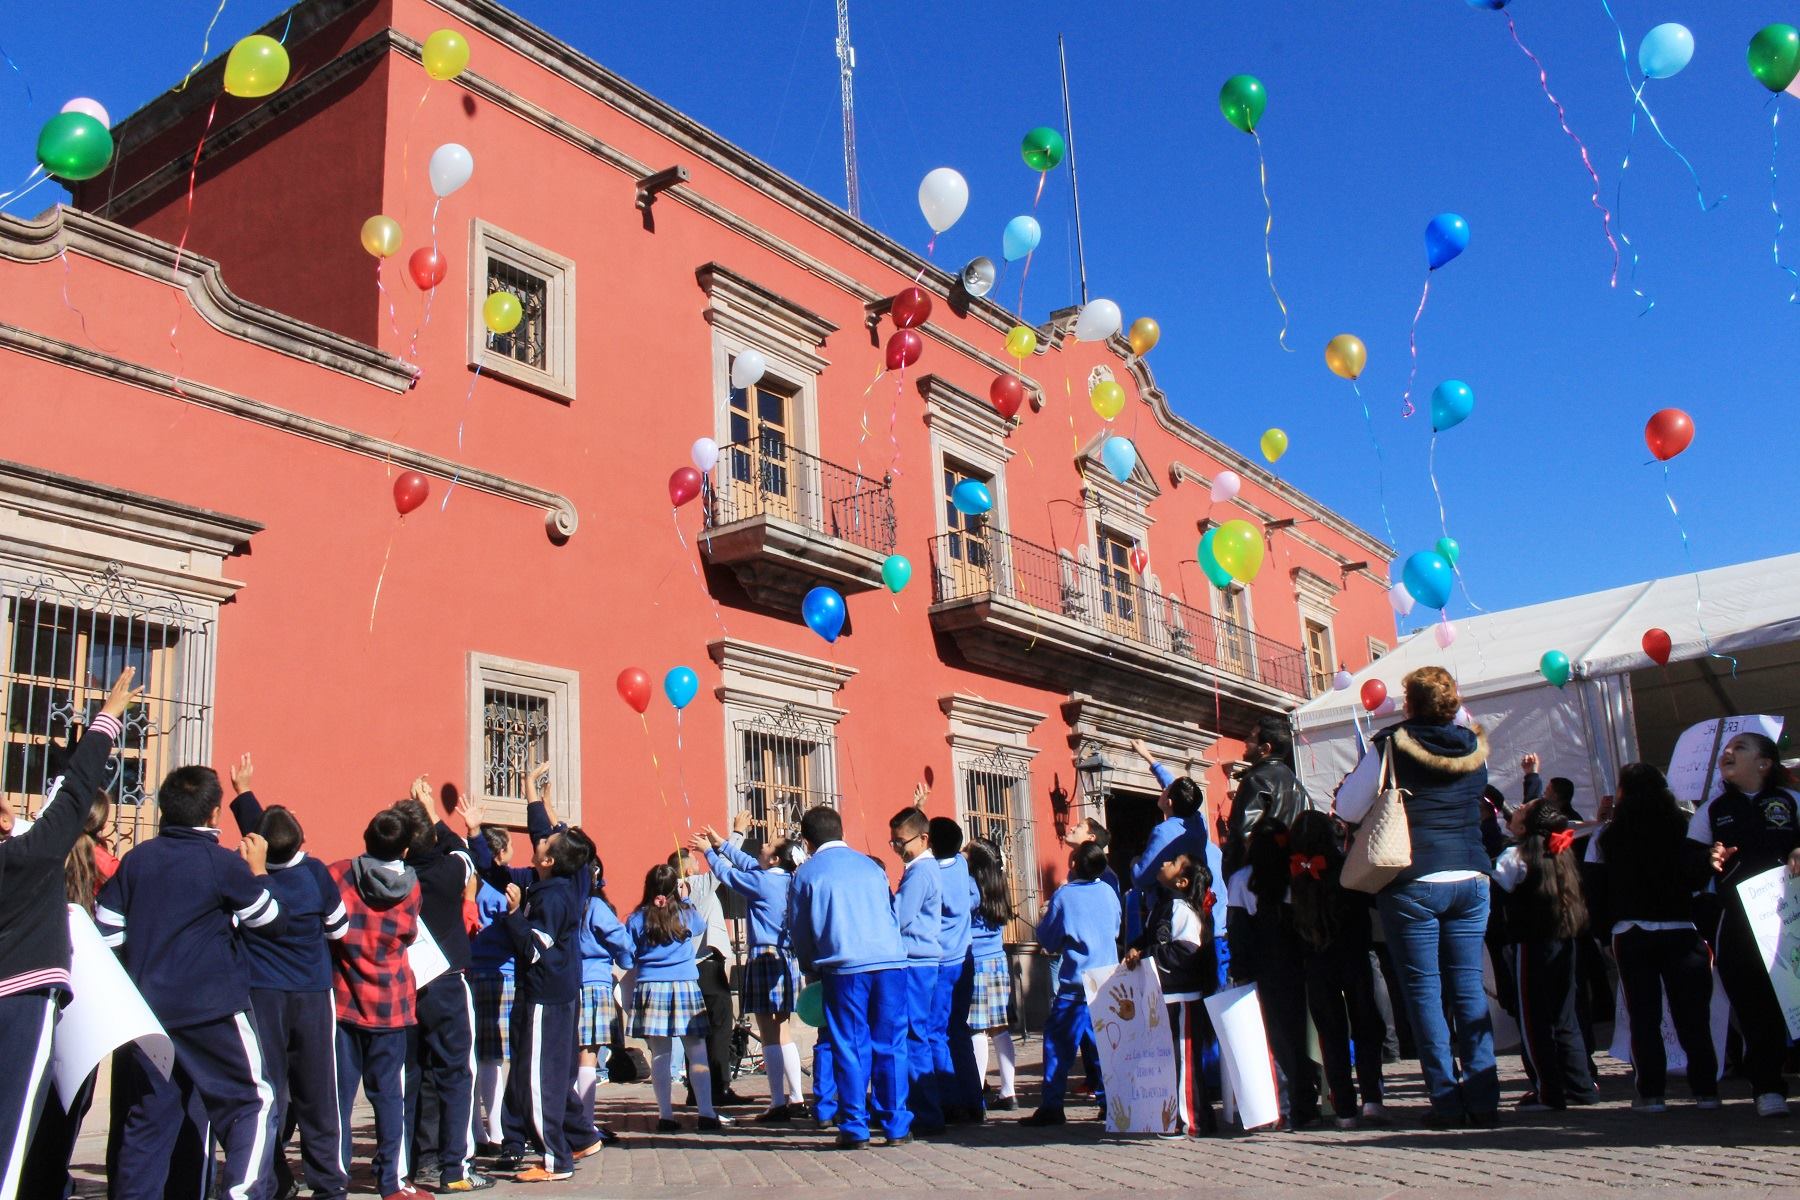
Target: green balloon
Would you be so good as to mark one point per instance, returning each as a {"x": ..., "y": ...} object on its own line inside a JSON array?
[
  {"x": 896, "y": 572},
  {"x": 74, "y": 146},
  {"x": 1555, "y": 667},
  {"x": 1043, "y": 148},
  {"x": 1448, "y": 547},
  {"x": 1775, "y": 56},
  {"x": 1243, "y": 99},
  {"x": 809, "y": 1005},
  {"x": 1209, "y": 562}
]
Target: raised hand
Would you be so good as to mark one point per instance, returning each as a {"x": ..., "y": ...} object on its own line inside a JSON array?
[
  {"x": 742, "y": 822},
  {"x": 514, "y": 897},
  {"x": 122, "y": 695},
  {"x": 421, "y": 790},
  {"x": 471, "y": 811},
  {"x": 241, "y": 771},
  {"x": 921, "y": 793}
]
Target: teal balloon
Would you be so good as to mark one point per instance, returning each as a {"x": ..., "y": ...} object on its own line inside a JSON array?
[
  {"x": 1120, "y": 457},
  {"x": 1428, "y": 578},
  {"x": 1555, "y": 667},
  {"x": 1448, "y": 547},
  {"x": 1451, "y": 403},
  {"x": 1665, "y": 50},
  {"x": 1209, "y": 562},
  {"x": 823, "y": 611},
  {"x": 896, "y": 572},
  {"x": 972, "y": 498},
  {"x": 809, "y": 1005},
  {"x": 681, "y": 685},
  {"x": 1020, "y": 237}
]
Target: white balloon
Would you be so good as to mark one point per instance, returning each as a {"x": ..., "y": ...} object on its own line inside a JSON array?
[
  {"x": 1387, "y": 707},
  {"x": 1445, "y": 634},
  {"x": 705, "y": 453},
  {"x": 747, "y": 368},
  {"x": 451, "y": 166},
  {"x": 1098, "y": 321},
  {"x": 93, "y": 108},
  {"x": 1225, "y": 486},
  {"x": 1341, "y": 681},
  {"x": 943, "y": 194},
  {"x": 1401, "y": 599}
]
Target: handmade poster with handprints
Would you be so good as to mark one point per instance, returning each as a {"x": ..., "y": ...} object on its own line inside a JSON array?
[{"x": 1137, "y": 1055}]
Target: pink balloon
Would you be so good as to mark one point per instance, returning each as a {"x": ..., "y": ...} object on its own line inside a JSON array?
[
  {"x": 1401, "y": 599},
  {"x": 1445, "y": 634},
  {"x": 1225, "y": 486}
]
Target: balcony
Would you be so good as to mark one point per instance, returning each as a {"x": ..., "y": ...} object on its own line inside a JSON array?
[
  {"x": 784, "y": 521},
  {"x": 1041, "y": 615}
]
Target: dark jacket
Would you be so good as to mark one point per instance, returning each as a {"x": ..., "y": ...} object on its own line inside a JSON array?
[
  {"x": 1443, "y": 771},
  {"x": 1182, "y": 967},
  {"x": 1764, "y": 829},
  {"x": 546, "y": 936},
  {"x": 1639, "y": 879},
  {"x": 299, "y": 958},
  {"x": 444, "y": 872},
  {"x": 1269, "y": 790}
]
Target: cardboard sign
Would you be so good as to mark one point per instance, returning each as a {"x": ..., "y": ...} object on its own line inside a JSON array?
[
  {"x": 426, "y": 958},
  {"x": 1137, "y": 1050},
  {"x": 1694, "y": 767},
  {"x": 1677, "y": 1057},
  {"x": 1247, "y": 1071},
  {"x": 1772, "y": 902},
  {"x": 106, "y": 1013}
]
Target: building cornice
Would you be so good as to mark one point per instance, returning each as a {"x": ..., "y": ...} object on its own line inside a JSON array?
[
  {"x": 756, "y": 314},
  {"x": 963, "y": 418},
  {"x": 768, "y": 664},
  {"x": 1005, "y": 722},
  {"x": 145, "y": 518}
]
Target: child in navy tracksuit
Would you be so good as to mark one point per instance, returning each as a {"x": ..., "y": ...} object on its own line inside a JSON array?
[
  {"x": 918, "y": 910},
  {"x": 845, "y": 935},
  {"x": 667, "y": 1004},
  {"x": 1082, "y": 926},
  {"x": 959, "y": 1087},
  {"x": 771, "y": 978},
  {"x": 491, "y": 975},
  {"x": 290, "y": 992},
  {"x": 1178, "y": 939},
  {"x": 604, "y": 945},
  {"x": 178, "y": 906}
]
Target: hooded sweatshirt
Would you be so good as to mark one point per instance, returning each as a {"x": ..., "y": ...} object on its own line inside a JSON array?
[
  {"x": 372, "y": 981},
  {"x": 1443, "y": 772}
]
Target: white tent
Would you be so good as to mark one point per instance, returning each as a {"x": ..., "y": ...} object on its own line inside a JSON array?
[{"x": 1620, "y": 706}]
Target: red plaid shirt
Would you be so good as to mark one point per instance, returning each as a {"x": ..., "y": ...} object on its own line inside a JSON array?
[{"x": 371, "y": 979}]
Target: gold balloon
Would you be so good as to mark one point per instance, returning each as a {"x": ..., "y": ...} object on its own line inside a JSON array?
[
  {"x": 1108, "y": 399},
  {"x": 1145, "y": 333},
  {"x": 501, "y": 312},
  {"x": 445, "y": 54},
  {"x": 256, "y": 67},
  {"x": 1346, "y": 355},
  {"x": 1021, "y": 340},
  {"x": 1274, "y": 444},
  {"x": 381, "y": 236}
]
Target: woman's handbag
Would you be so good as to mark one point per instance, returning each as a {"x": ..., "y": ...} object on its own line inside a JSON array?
[{"x": 1382, "y": 845}]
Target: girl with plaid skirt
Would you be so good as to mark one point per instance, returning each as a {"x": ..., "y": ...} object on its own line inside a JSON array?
[
  {"x": 604, "y": 945},
  {"x": 988, "y": 1008},
  {"x": 491, "y": 979},
  {"x": 667, "y": 1003},
  {"x": 771, "y": 981}
]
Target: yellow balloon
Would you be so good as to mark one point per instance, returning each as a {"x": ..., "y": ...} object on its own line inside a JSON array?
[
  {"x": 1021, "y": 340},
  {"x": 1274, "y": 443},
  {"x": 256, "y": 67},
  {"x": 445, "y": 54},
  {"x": 1145, "y": 333},
  {"x": 381, "y": 236},
  {"x": 1346, "y": 355},
  {"x": 501, "y": 312},
  {"x": 1108, "y": 399},
  {"x": 1238, "y": 546}
]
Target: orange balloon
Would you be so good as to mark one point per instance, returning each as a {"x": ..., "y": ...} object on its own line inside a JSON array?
[{"x": 1346, "y": 355}]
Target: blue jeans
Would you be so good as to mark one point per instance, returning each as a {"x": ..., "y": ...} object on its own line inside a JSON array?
[{"x": 1434, "y": 933}]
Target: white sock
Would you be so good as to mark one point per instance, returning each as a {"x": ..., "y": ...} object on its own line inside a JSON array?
[
  {"x": 699, "y": 1074},
  {"x": 796, "y": 1081},
  {"x": 776, "y": 1065},
  {"x": 1003, "y": 1043},
  {"x": 980, "y": 1040},
  {"x": 490, "y": 1079},
  {"x": 586, "y": 1080},
  {"x": 660, "y": 1053}
]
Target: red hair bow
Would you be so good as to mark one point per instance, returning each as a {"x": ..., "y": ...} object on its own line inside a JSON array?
[
  {"x": 1207, "y": 902},
  {"x": 1559, "y": 841},
  {"x": 1301, "y": 864}
]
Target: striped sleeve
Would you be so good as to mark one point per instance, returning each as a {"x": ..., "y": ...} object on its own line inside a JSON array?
[
  {"x": 112, "y": 925},
  {"x": 258, "y": 912},
  {"x": 244, "y": 895},
  {"x": 109, "y": 907}
]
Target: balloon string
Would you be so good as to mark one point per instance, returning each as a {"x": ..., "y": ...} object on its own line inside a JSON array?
[
  {"x": 894, "y": 423},
  {"x": 1444, "y": 524},
  {"x": 406, "y": 154},
  {"x": 1042, "y": 175},
  {"x": 381, "y": 576},
  {"x": 1380, "y": 462},
  {"x": 70, "y": 305},
  {"x": 468, "y": 399},
  {"x": 1262, "y": 166},
  {"x": 656, "y": 765},
  {"x": 1619, "y": 204},
  {"x": 181, "y": 304},
  {"x": 31, "y": 183},
  {"x": 1074, "y": 438},
  {"x": 205, "y": 49},
  {"x": 699, "y": 580},
  {"x": 381, "y": 287},
  {"x": 31, "y": 103},
  {"x": 1412, "y": 341},
  {"x": 1687, "y": 549},
  {"x": 866, "y": 434},
  {"x": 687, "y": 804},
  {"x": 1775, "y": 195},
  {"x": 1587, "y": 163},
  {"x": 1023, "y": 276},
  {"x": 412, "y": 350},
  {"x": 1637, "y": 99}
]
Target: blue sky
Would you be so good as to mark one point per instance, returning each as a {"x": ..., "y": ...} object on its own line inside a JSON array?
[{"x": 1380, "y": 115}]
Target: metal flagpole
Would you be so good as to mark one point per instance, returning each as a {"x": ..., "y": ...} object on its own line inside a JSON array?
[{"x": 1074, "y": 187}]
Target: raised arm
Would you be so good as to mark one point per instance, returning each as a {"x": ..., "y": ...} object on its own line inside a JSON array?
[
  {"x": 1164, "y": 776},
  {"x": 71, "y": 794},
  {"x": 246, "y": 809}
]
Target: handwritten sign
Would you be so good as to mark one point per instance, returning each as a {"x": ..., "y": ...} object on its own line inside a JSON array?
[
  {"x": 1720, "y": 1021},
  {"x": 1249, "y": 1073},
  {"x": 1772, "y": 903},
  {"x": 426, "y": 958},
  {"x": 1137, "y": 1051},
  {"x": 1694, "y": 768},
  {"x": 106, "y": 1013}
]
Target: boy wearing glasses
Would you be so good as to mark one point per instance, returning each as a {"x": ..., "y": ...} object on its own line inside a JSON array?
[{"x": 917, "y": 910}]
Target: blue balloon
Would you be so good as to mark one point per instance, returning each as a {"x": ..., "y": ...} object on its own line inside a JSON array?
[
  {"x": 1665, "y": 50},
  {"x": 972, "y": 498},
  {"x": 681, "y": 685},
  {"x": 1120, "y": 457},
  {"x": 823, "y": 610},
  {"x": 1020, "y": 238},
  {"x": 1451, "y": 403},
  {"x": 1446, "y": 236},
  {"x": 1494, "y": 4},
  {"x": 1429, "y": 578}
]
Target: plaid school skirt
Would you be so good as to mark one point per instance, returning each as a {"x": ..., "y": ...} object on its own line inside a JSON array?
[
  {"x": 594, "y": 1021},
  {"x": 771, "y": 982},
  {"x": 667, "y": 1008},
  {"x": 493, "y": 1014},
  {"x": 993, "y": 992}
]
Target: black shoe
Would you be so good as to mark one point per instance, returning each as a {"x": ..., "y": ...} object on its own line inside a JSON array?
[
  {"x": 729, "y": 1099},
  {"x": 904, "y": 1139},
  {"x": 823, "y": 1123},
  {"x": 708, "y": 1125},
  {"x": 1582, "y": 1099},
  {"x": 847, "y": 1142},
  {"x": 1045, "y": 1117},
  {"x": 468, "y": 1183},
  {"x": 668, "y": 1125},
  {"x": 488, "y": 1149},
  {"x": 1003, "y": 1104},
  {"x": 1485, "y": 1120},
  {"x": 289, "y": 1190},
  {"x": 508, "y": 1164},
  {"x": 1310, "y": 1119},
  {"x": 607, "y": 1136},
  {"x": 775, "y": 1114},
  {"x": 1441, "y": 1120}
]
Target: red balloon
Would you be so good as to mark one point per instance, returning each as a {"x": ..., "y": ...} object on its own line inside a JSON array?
[
  {"x": 684, "y": 485},
  {"x": 904, "y": 348},
  {"x": 1008, "y": 394},
  {"x": 1140, "y": 562},
  {"x": 634, "y": 688},
  {"x": 410, "y": 491},
  {"x": 427, "y": 268},
  {"x": 1373, "y": 693},
  {"x": 910, "y": 308},
  {"x": 1668, "y": 433},
  {"x": 1657, "y": 644}
]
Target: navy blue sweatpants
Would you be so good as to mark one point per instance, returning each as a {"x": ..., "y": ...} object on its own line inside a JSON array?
[
  {"x": 27, "y": 1024},
  {"x": 866, "y": 1014},
  {"x": 376, "y": 1058},
  {"x": 443, "y": 1052},
  {"x": 540, "y": 1085},
  {"x": 299, "y": 1037}
]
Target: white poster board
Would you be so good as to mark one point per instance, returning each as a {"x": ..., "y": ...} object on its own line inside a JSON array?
[
  {"x": 1772, "y": 903},
  {"x": 1694, "y": 767},
  {"x": 425, "y": 958},
  {"x": 1247, "y": 1070},
  {"x": 106, "y": 1013},
  {"x": 1137, "y": 1051},
  {"x": 1677, "y": 1057}
]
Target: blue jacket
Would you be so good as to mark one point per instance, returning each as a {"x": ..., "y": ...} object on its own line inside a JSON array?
[
  {"x": 545, "y": 936},
  {"x": 842, "y": 921},
  {"x": 604, "y": 943},
  {"x": 959, "y": 897},
  {"x": 1081, "y": 925},
  {"x": 297, "y": 959},
  {"x": 764, "y": 891},
  {"x": 180, "y": 905},
  {"x": 1178, "y": 835},
  {"x": 666, "y": 961},
  {"x": 918, "y": 911},
  {"x": 491, "y": 950},
  {"x": 989, "y": 941}
]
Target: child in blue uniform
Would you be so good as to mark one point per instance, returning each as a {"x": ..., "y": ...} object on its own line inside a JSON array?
[
  {"x": 918, "y": 910},
  {"x": 991, "y": 1000},
  {"x": 604, "y": 945},
  {"x": 1082, "y": 926},
  {"x": 667, "y": 1004},
  {"x": 959, "y": 1088},
  {"x": 491, "y": 977}
]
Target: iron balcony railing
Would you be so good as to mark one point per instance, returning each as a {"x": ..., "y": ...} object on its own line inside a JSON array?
[
  {"x": 992, "y": 563},
  {"x": 768, "y": 477}
]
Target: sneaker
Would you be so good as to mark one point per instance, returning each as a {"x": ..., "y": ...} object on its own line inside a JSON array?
[
  {"x": 1045, "y": 1117},
  {"x": 775, "y": 1114},
  {"x": 468, "y": 1183},
  {"x": 406, "y": 1192},
  {"x": 1771, "y": 1104},
  {"x": 1649, "y": 1104},
  {"x": 1706, "y": 1103},
  {"x": 1003, "y": 1104},
  {"x": 540, "y": 1175},
  {"x": 710, "y": 1124},
  {"x": 592, "y": 1150},
  {"x": 508, "y": 1164},
  {"x": 668, "y": 1125},
  {"x": 1376, "y": 1114},
  {"x": 847, "y": 1141},
  {"x": 426, "y": 1177},
  {"x": 488, "y": 1149}
]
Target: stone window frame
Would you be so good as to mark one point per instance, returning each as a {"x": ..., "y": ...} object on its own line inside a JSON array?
[
  {"x": 1316, "y": 597},
  {"x": 758, "y": 681},
  {"x": 562, "y": 688},
  {"x": 557, "y": 379},
  {"x": 980, "y": 729},
  {"x": 745, "y": 315}
]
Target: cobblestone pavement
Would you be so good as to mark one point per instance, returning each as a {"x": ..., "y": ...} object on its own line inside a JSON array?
[{"x": 1730, "y": 1152}]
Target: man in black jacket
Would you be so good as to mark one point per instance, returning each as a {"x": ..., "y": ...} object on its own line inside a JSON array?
[{"x": 1268, "y": 789}]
